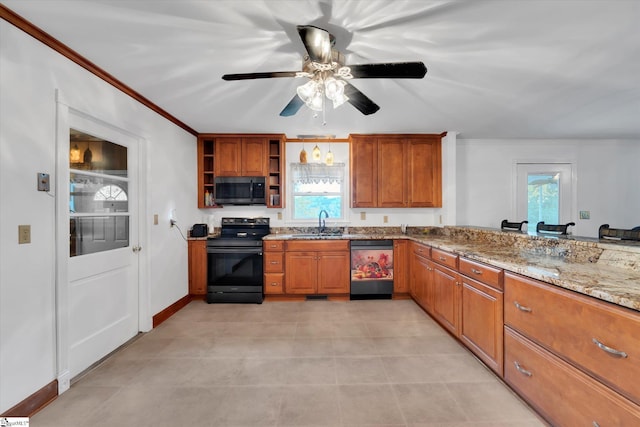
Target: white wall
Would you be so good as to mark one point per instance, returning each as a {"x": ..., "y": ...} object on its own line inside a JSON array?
[
  {"x": 30, "y": 73},
  {"x": 607, "y": 179}
]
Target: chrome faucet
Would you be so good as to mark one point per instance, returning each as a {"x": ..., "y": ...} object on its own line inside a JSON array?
[{"x": 321, "y": 222}]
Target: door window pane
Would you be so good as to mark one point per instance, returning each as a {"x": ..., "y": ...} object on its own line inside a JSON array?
[
  {"x": 543, "y": 195},
  {"x": 90, "y": 153},
  {"x": 98, "y": 195}
]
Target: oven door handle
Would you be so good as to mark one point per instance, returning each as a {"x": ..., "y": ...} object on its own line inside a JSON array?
[{"x": 233, "y": 250}]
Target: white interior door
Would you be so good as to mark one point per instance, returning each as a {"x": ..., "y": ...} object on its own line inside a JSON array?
[
  {"x": 544, "y": 192},
  {"x": 102, "y": 270}
]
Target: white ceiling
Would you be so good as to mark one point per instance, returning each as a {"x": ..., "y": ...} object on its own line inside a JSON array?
[{"x": 496, "y": 69}]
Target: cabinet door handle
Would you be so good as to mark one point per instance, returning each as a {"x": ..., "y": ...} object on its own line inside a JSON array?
[
  {"x": 610, "y": 350},
  {"x": 521, "y": 369},
  {"x": 522, "y": 307},
  {"x": 274, "y": 283},
  {"x": 274, "y": 262},
  {"x": 595, "y": 424},
  {"x": 475, "y": 271}
]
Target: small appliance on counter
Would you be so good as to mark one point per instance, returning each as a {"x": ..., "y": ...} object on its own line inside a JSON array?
[{"x": 199, "y": 230}]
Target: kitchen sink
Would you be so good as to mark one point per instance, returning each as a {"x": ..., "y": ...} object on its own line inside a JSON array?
[{"x": 316, "y": 235}]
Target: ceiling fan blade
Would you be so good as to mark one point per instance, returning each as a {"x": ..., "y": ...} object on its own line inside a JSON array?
[
  {"x": 359, "y": 100},
  {"x": 392, "y": 70},
  {"x": 249, "y": 76},
  {"x": 317, "y": 41},
  {"x": 292, "y": 107}
]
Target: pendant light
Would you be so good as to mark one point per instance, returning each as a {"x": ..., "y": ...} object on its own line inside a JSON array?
[
  {"x": 329, "y": 157},
  {"x": 303, "y": 155},
  {"x": 315, "y": 154},
  {"x": 74, "y": 154}
]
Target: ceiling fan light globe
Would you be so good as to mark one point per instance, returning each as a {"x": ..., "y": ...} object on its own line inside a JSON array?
[
  {"x": 316, "y": 101},
  {"x": 339, "y": 99},
  {"x": 307, "y": 91},
  {"x": 331, "y": 87}
]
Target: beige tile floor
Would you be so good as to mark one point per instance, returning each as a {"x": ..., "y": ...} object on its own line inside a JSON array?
[{"x": 313, "y": 363}]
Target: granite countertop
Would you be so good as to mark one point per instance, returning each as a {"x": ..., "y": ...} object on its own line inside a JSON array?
[{"x": 607, "y": 271}]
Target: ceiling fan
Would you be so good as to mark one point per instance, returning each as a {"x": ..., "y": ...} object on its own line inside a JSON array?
[{"x": 328, "y": 75}]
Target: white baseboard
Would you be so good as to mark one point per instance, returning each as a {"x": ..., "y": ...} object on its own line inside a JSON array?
[{"x": 64, "y": 382}]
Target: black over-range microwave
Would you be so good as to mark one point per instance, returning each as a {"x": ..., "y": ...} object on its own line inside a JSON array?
[{"x": 240, "y": 190}]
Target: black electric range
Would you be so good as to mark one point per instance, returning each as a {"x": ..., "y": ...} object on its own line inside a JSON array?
[{"x": 234, "y": 261}]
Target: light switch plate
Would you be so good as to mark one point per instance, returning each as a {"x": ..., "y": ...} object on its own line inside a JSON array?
[
  {"x": 24, "y": 234},
  {"x": 155, "y": 219},
  {"x": 43, "y": 182}
]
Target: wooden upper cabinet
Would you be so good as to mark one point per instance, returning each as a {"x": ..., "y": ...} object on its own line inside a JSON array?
[
  {"x": 392, "y": 179},
  {"x": 396, "y": 171},
  {"x": 227, "y": 156},
  {"x": 253, "y": 157},
  {"x": 424, "y": 187},
  {"x": 240, "y": 156},
  {"x": 364, "y": 171}
]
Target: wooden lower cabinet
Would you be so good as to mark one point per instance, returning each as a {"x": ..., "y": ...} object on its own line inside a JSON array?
[
  {"x": 446, "y": 298},
  {"x": 401, "y": 266},
  {"x": 602, "y": 339},
  {"x": 421, "y": 271},
  {"x": 317, "y": 267},
  {"x": 273, "y": 267},
  {"x": 561, "y": 393},
  {"x": 482, "y": 322},
  {"x": 481, "y": 327},
  {"x": 197, "y": 255}
]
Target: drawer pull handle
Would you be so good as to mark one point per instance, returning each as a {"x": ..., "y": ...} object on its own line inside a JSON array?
[
  {"x": 522, "y": 307},
  {"x": 442, "y": 258},
  {"x": 610, "y": 350},
  {"x": 274, "y": 284},
  {"x": 274, "y": 262},
  {"x": 522, "y": 370},
  {"x": 473, "y": 270}
]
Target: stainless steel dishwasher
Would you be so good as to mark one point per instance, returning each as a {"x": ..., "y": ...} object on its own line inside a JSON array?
[{"x": 371, "y": 269}]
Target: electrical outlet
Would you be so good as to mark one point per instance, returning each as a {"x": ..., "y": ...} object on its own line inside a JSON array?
[
  {"x": 172, "y": 222},
  {"x": 363, "y": 216},
  {"x": 24, "y": 234},
  {"x": 385, "y": 219},
  {"x": 280, "y": 215},
  {"x": 585, "y": 214}
]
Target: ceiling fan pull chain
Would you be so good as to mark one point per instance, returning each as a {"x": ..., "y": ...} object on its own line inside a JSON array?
[{"x": 324, "y": 120}]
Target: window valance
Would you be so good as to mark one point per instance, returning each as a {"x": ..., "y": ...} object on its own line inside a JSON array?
[{"x": 316, "y": 173}]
